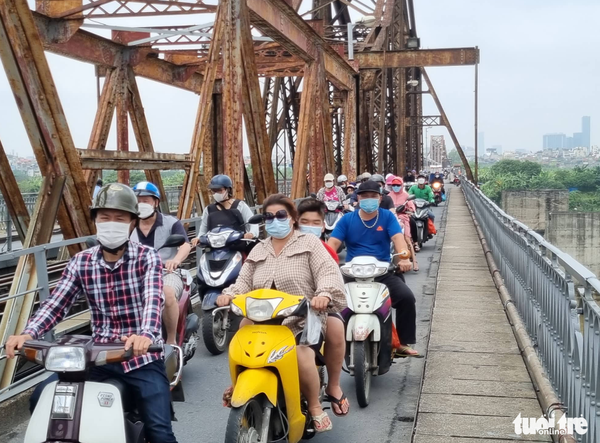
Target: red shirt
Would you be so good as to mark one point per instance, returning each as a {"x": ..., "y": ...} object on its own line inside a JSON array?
[{"x": 331, "y": 252}]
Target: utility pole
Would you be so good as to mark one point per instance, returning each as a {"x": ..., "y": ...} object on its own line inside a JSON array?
[{"x": 476, "y": 123}]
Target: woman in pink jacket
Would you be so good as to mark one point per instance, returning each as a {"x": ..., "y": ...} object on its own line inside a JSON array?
[{"x": 400, "y": 197}]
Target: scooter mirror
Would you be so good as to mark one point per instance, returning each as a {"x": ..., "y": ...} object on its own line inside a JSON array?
[
  {"x": 411, "y": 197},
  {"x": 256, "y": 219},
  {"x": 173, "y": 241},
  {"x": 313, "y": 195}
]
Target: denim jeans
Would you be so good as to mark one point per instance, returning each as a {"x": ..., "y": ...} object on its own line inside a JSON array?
[{"x": 148, "y": 385}]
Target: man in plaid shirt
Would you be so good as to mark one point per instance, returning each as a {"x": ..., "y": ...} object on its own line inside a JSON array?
[{"x": 122, "y": 281}]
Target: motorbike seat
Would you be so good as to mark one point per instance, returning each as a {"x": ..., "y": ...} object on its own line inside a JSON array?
[{"x": 170, "y": 362}]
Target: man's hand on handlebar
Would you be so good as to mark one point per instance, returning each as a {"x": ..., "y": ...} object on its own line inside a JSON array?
[
  {"x": 249, "y": 235},
  {"x": 404, "y": 265},
  {"x": 224, "y": 300},
  {"x": 195, "y": 242},
  {"x": 172, "y": 265},
  {"x": 320, "y": 303},
  {"x": 15, "y": 342},
  {"x": 140, "y": 344}
]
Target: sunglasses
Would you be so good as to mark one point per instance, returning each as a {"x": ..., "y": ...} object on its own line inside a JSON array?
[{"x": 280, "y": 215}]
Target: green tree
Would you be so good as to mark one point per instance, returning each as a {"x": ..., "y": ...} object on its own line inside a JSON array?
[{"x": 527, "y": 168}]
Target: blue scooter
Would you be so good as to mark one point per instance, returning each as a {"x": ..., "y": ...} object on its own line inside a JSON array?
[{"x": 218, "y": 268}]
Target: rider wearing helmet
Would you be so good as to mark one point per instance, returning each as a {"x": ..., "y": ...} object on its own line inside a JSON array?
[
  {"x": 386, "y": 200},
  {"x": 330, "y": 192},
  {"x": 122, "y": 281},
  {"x": 342, "y": 182},
  {"x": 153, "y": 230},
  {"x": 226, "y": 211}
]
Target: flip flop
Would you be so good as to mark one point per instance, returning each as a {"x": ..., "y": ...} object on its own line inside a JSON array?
[
  {"x": 320, "y": 422},
  {"x": 401, "y": 352},
  {"x": 338, "y": 402}
]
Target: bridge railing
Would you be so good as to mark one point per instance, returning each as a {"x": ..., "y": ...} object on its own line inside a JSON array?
[{"x": 555, "y": 296}]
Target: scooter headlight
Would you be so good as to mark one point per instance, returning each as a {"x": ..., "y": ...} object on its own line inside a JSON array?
[
  {"x": 217, "y": 240},
  {"x": 363, "y": 271},
  {"x": 65, "y": 359},
  {"x": 437, "y": 186},
  {"x": 261, "y": 310}
]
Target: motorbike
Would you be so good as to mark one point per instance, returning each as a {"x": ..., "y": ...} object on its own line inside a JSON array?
[
  {"x": 188, "y": 322},
  {"x": 267, "y": 405},
  {"x": 368, "y": 319},
  {"x": 408, "y": 185},
  {"x": 333, "y": 214},
  {"x": 456, "y": 181},
  {"x": 218, "y": 268},
  {"x": 421, "y": 218},
  {"x": 79, "y": 411},
  {"x": 438, "y": 189}
]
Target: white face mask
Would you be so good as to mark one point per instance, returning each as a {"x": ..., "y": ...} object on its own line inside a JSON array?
[
  {"x": 421, "y": 181},
  {"x": 146, "y": 210},
  {"x": 329, "y": 185},
  {"x": 112, "y": 235},
  {"x": 220, "y": 197}
]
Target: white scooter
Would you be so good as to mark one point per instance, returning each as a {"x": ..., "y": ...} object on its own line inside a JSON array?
[
  {"x": 368, "y": 319},
  {"x": 78, "y": 411},
  {"x": 334, "y": 213}
]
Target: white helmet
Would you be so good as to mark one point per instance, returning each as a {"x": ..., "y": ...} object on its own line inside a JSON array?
[
  {"x": 342, "y": 178},
  {"x": 329, "y": 178}
]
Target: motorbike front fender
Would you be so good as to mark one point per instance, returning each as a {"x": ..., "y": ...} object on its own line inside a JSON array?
[
  {"x": 253, "y": 382},
  {"x": 361, "y": 326},
  {"x": 209, "y": 300}
]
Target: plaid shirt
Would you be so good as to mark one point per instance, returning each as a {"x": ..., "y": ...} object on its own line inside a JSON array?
[
  {"x": 124, "y": 300},
  {"x": 303, "y": 267}
]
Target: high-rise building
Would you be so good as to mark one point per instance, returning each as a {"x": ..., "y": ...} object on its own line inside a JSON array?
[
  {"x": 481, "y": 142},
  {"x": 585, "y": 132},
  {"x": 554, "y": 141},
  {"x": 578, "y": 140}
]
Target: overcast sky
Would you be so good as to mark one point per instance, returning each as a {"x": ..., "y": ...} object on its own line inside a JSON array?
[{"x": 539, "y": 73}]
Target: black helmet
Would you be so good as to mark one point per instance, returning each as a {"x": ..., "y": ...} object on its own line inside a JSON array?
[
  {"x": 378, "y": 178},
  {"x": 116, "y": 196},
  {"x": 220, "y": 181}
]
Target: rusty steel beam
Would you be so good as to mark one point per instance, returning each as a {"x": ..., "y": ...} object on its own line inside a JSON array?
[
  {"x": 254, "y": 115},
  {"x": 446, "y": 122},
  {"x": 281, "y": 22},
  {"x": 27, "y": 70},
  {"x": 154, "y": 161},
  {"x": 12, "y": 196},
  {"x": 190, "y": 192},
  {"x": 349, "y": 158},
  {"x": 417, "y": 58}
]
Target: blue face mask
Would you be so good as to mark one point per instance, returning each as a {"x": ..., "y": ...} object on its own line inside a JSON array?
[
  {"x": 316, "y": 230},
  {"x": 369, "y": 205},
  {"x": 279, "y": 229},
  {"x": 396, "y": 188}
]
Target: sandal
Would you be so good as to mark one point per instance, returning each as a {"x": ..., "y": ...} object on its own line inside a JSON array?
[
  {"x": 417, "y": 248},
  {"x": 227, "y": 397},
  {"x": 322, "y": 422},
  {"x": 339, "y": 402},
  {"x": 406, "y": 351}
]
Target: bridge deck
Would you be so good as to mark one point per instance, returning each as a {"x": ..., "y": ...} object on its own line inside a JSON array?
[{"x": 475, "y": 380}]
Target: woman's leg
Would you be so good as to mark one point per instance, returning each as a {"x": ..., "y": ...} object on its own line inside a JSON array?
[{"x": 309, "y": 379}]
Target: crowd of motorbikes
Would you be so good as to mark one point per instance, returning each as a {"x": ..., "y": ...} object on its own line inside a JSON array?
[{"x": 266, "y": 402}]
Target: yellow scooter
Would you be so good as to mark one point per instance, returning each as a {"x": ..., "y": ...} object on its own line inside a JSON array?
[{"x": 266, "y": 401}]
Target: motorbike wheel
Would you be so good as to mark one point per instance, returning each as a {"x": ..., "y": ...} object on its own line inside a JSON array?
[
  {"x": 244, "y": 423},
  {"x": 215, "y": 338},
  {"x": 362, "y": 372}
]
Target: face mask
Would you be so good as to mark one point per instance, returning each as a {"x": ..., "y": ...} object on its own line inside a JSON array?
[
  {"x": 369, "y": 205},
  {"x": 279, "y": 229},
  {"x": 146, "y": 210},
  {"x": 396, "y": 188},
  {"x": 316, "y": 230},
  {"x": 112, "y": 235},
  {"x": 421, "y": 181},
  {"x": 220, "y": 197},
  {"x": 329, "y": 185}
]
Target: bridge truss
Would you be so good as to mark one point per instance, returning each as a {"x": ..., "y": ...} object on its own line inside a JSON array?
[{"x": 303, "y": 100}]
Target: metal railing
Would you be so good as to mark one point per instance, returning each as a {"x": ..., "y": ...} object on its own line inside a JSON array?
[{"x": 554, "y": 295}]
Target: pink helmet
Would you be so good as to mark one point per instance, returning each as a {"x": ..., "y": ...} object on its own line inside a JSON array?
[{"x": 390, "y": 179}]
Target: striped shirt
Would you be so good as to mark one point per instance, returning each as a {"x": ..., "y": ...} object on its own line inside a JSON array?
[{"x": 124, "y": 299}]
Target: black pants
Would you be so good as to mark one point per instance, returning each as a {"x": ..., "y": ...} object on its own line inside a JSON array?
[
  {"x": 403, "y": 300},
  {"x": 149, "y": 387},
  {"x": 413, "y": 230}
]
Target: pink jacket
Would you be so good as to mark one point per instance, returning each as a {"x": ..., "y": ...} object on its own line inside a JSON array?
[{"x": 399, "y": 198}]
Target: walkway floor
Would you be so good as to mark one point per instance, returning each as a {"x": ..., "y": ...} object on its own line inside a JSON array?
[{"x": 475, "y": 381}]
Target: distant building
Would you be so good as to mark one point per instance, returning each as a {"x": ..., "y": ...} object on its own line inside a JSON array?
[
  {"x": 498, "y": 149},
  {"x": 554, "y": 141},
  {"x": 585, "y": 132}
]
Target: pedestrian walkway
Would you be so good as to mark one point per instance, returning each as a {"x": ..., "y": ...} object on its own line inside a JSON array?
[{"x": 475, "y": 381}]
